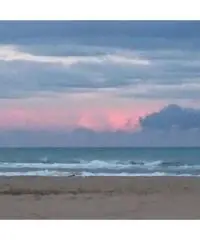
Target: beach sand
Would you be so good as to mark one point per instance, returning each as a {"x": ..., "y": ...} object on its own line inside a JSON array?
[{"x": 99, "y": 198}]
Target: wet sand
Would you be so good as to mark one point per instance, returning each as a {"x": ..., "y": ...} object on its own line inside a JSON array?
[{"x": 99, "y": 198}]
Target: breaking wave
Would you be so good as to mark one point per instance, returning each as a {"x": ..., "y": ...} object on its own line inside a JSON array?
[
  {"x": 99, "y": 168},
  {"x": 86, "y": 174}
]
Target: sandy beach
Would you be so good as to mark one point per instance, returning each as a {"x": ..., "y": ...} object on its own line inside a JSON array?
[{"x": 99, "y": 198}]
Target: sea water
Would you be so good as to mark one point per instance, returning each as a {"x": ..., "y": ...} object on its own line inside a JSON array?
[{"x": 100, "y": 161}]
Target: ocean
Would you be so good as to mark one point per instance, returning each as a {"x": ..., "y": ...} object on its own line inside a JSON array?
[{"x": 100, "y": 161}]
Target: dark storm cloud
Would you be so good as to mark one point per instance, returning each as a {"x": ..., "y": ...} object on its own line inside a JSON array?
[{"x": 171, "y": 117}]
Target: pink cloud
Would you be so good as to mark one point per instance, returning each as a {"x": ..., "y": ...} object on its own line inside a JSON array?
[{"x": 96, "y": 118}]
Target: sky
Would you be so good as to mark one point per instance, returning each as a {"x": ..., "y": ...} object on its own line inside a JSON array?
[{"x": 94, "y": 83}]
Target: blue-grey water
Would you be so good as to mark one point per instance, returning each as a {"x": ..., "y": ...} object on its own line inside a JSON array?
[{"x": 100, "y": 161}]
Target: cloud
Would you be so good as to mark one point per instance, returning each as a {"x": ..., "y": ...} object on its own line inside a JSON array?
[
  {"x": 133, "y": 74},
  {"x": 83, "y": 137},
  {"x": 172, "y": 117},
  {"x": 133, "y": 60},
  {"x": 62, "y": 117},
  {"x": 189, "y": 91},
  {"x": 24, "y": 75},
  {"x": 92, "y": 31},
  {"x": 101, "y": 75},
  {"x": 11, "y": 53},
  {"x": 24, "y": 80}
]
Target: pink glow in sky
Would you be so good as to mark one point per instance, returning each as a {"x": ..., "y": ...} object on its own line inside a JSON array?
[{"x": 96, "y": 119}]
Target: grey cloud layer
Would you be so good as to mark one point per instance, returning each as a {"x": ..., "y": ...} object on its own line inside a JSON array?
[
  {"x": 100, "y": 32},
  {"x": 149, "y": 138},
  {"x": 152, "y": 60}
]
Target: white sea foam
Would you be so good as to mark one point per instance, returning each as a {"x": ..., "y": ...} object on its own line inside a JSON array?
[
  {"x": 152, "y": 164},
  {"x": 88, "y": 174},
  {"x": 99, "y": 168},
  {"x": 89, "y": 165},
  {"x": 94, "y": 164}
]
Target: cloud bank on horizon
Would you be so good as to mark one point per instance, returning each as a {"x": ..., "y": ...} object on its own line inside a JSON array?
[
  {"x": 103, "y": 76},
  {"x": 159, "y": 129}
]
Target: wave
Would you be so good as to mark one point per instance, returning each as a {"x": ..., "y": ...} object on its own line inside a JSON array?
[
  {"x": 89, "y": 174},
  {"x": 81, "y": 165},
  {"x": 108, "y": 165},
  {"x": 94, "y": 164}
]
